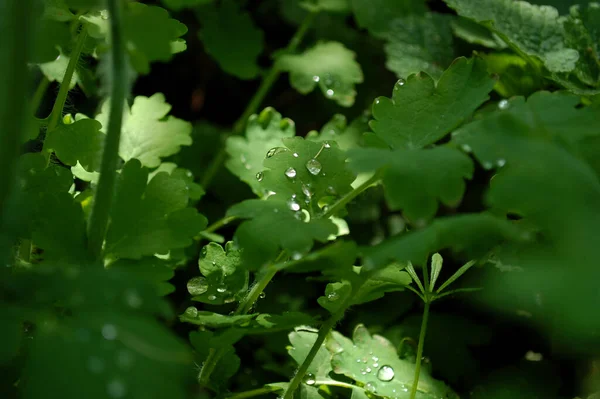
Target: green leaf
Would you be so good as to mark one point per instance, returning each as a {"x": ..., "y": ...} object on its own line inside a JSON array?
[
  {"x": 372, "y": 361},
  {"x": 148, "y": 134},
  {"x": 246, "y": 154},
  {"x": 339, "y": 6},
  {"x": 232, "y": 38},
  {"x": 377, "y": 15},
  {"x": 177, "y": 5},
  {"x": 335, "y": 260},
  {"x": 581, "y": 30},
  {"x": 515, "y": 75},
  {"x": 415, "y": 180},
  {"x": 150, "y": 33},
  {"x": 150, "y": 269},
  {"x": 214, "y": 320},
  {"x": 473, "y": 233},
  {"x": 274, "y": 226},
  {"x": 48, "y": 36},
  {"x": 335, "y": 297},
  {"x": 302, "y": 340},
  {"x": 55, "y": 70},
  {"x": 226, "y": 366},
  {"x": 224, "y": 280},
  {"x": 304, "y": 172},
  {"x": 421, "y": 112},
  {"x": 149, "y": 218},
  {"x": 418, "y": 43},
  {"x": 195, "y": 190},
  {"x": 329, "y": 65},
  {"x": 391, "y": 278},
  {"x": 436, "y": 267},
  {"x": 345, "y": 135},
  {"x": 533, "y": 30},
  {"x": 474, "y": 33},
  {"x": 80, "y": 142}
]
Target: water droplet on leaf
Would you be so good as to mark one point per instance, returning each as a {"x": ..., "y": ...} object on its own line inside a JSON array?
[
  {"x": 326, "y": 145},
  {"x": 262, "y": 295},
  {"x": 221, "y": 288},
  {"x": 259, "y": 176},
  {"x": 116, "y": 389},
  {"x": 334, "y": 296},
  {"x": 290, "y": 173},
  {"x": 503, "y": 104},
  {"x": 501, "y": 162},
  {"x": 294, "y": 205},
  {"x": 109, "y": 331},
  {"x": 212, "y": 297},
  {"x": 313, "y": 166},
  {"x": 295, "y": 155},
  {"x": 191, "y": 312},
  {"x": 306, "y": 190},
  {"x": 197, "y": 286},
  {"x": 309, "y": 379},
  {"x": 466, "y": 148},
  {"x": 329, "y": 93},
  {"x": 316, "y": 79},
  {"x": 371, "y": 387},
  {"x": 385, "y": 373}
]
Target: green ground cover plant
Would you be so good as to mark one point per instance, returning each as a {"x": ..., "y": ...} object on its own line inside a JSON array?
[{"x": 314, "y": 199}]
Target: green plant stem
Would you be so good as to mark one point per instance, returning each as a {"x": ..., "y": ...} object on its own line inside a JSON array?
[
  {"x": 36, "y": 100},
  {"x": 15, "y": 43},
  {"x": 342, "y": 202},
  {"x": 108, "y": 169},
  {"x": 219, "y": 223},
  {"x": 265, "y": 86},
  {"x": 323, "y": 333},
  {"x": 214, "y": 355},
  {"x": 61, "y": 98},
  {"x": 420, "y": 346}
]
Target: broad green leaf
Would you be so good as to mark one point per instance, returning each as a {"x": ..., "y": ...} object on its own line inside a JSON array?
[
  {"x": 55, "y": 70},
  {"x": 473, "y": 233},
  {"x": 224, "y": 280},
  {"x": 179, "y": 4},
  {"x": 151, "y": 269},
  {"x": 245, "y": 324},
  {"x": 57, "y": 10},
  {"x": 246, "y": 154},
  {"x": 48, "y": 36},
  {"x": 232, "y": 38},
  {"x": 472, "y": 32},
  {"x": 304, "y": 172},
  {"x": 329, "y": 65},
  {"x": 533, "y": 30},
  {"x": 195, "y": 190},
  {"x": 80, "y": 142},
  {"x": 302, "y": 340},
  {"x": 274, "y": 226},
  {"x": 150, "y": 33},
  {"x": 421, "y": 112},
  {"x": 148, "y": 134},
  {"x": 415, "y": 180},
  {"x": 377, "y": 15},
  {"x": 150, "y": 217},
  {"x": 418, "y": 43},
  {"x": 372, "y": 361},
  {"x": 335, "y": 260},
  {"x": 345, "y": 135}
]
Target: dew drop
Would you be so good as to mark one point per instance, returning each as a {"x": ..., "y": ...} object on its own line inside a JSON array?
[
  {"x": 295, "y": 155},
  {"x": 326, "y": 145},
  {"x": 229, "y": 299},
  {"x": 487, "y": 165},
  {"x": 259, "y": 176},
  {"x": 334, "y": 296},
  {"x": 385, "y": 373},
  {"x": 400, "y": 82},
  {"x": 109, "y": 332},
  {"x": 330, "y": 93},
  {"x": 293, "y": 205},
  {"x": 501, "y": 162},
  {"x": 330, "y": 190},
  {"x": 116, "y": 389},
  {"x": 212, "y": 297},
  {"x": 371, "y": 387},
  {"x": 262, "y": 295},
  {"x": 274, "y": 151},
  {"x": 290, "y": 173},
  {"x": 309, "y": 379},
  {"x": 296, "y": 256},
  {"x": 357, "y": 360},
  {"x": 191, "y": 311},
  {"x": 313, "y": 166},
  {"x": 466, "y": 148},
  {"x": 377, "y": 101},
  {"x": 375, "y": 358},
  {"x": 316, "y": 79},
  {"x": 222, "y": 288},
  {"x": 133, "y": 299},
  {"x": 503, "y": 104},
  {"x": 197, "y": 286},
  {"x": 306, "y": 190},
  {"x": 368, "y": 370},
  {"x": 375, "y": 365}
]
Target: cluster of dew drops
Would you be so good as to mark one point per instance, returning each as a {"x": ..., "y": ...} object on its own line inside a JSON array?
[
  {"x": 313, "y": 166},
  {"x": 199, "y": 285}
]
